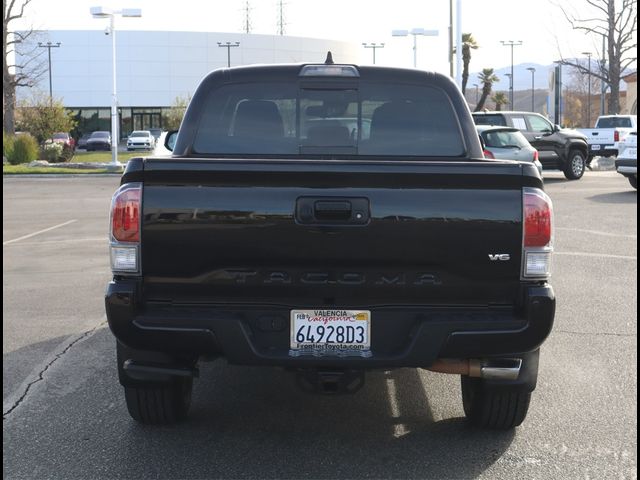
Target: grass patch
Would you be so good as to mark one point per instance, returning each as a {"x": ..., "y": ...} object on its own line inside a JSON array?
[
  {"x": 105, "y": 157},
  {"x": 23, "y": 169}
]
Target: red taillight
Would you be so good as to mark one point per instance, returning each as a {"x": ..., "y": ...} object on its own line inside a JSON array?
[
  {"x": 536, "y": 156},
  {"x": 538, "y": 218},
  {"x": 488, "y": 154},
  {"x": 125, "y": 213},
  {"x": 616, "y": 136}
]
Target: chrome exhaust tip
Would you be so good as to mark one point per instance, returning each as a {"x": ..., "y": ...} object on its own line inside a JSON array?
[{"x": 501, "y": 369}]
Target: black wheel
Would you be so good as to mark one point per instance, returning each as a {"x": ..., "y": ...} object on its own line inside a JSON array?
[
  {"x": 154, "y": 403},
  {"x": 633, "y": 181},
  {"x": 575, "y": 165},
  {"x": 160, "y": 404},
  {"x": 498, "y": 409}
]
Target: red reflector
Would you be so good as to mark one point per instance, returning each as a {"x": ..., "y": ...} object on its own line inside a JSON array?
[
  {"x": 125, "y": 214},
  {"x": 538, "y": 219},
  {"x": 488, "y": 154}
]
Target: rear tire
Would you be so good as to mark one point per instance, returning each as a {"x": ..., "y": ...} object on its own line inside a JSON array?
[
  {"x": 160, "y": 404},
  {"x": 498, "y": 409},
  {"x": 153, "y": 403},
  {"x": 575, "y": 165},
  {"x": 633, "y": 181}
]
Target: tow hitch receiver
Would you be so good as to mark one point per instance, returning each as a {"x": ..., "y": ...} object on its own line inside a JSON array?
[{"x": 330, "y": 382}]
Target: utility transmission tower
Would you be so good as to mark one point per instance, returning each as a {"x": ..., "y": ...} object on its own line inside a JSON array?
[
  {"x": 281, "y": 22},
  {"x": 247, "y": 17}
]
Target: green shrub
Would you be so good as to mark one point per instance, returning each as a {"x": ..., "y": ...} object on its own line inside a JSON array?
[
  {"x": 7, "y": 144},
  {"x": 52, "y": 151},
  {"x": 67, "y": 153},
  {"x": 25, "y": 149}
]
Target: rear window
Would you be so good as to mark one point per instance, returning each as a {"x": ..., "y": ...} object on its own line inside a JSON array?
[
  {"x": 614, "y": 122},
  {"x": 371, "y": 120},
  {"x": 504, "y": 139},
  {"x": 495, "y": 120}
]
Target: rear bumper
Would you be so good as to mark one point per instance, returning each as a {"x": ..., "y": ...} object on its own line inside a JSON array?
[
  {"x": 408, "y": 336},
  {"x": 627, "y": 166},
  {"x": 602, "y": 150}
]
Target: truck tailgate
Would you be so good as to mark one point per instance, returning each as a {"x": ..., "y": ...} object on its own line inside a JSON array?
[{"x": 235, "y": 231}]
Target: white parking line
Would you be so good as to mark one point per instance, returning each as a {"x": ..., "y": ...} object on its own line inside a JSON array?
[
  {"x": 38, "y": 232},
  {"x": 596, "y": 255},
  {"x": 597, "y": 232}
]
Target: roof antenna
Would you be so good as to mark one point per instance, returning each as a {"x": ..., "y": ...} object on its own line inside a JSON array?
[{"x": 329, "y": 60}]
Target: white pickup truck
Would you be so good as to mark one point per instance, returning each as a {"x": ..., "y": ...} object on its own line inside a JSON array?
[
  {"x": 608, "y": 132},
  {"x": 627, "y": 160}
]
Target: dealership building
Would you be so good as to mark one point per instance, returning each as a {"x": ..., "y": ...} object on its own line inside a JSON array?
[{"x": 154, "y": 68}]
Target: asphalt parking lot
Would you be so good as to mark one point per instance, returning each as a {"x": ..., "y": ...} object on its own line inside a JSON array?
[{"x": 64, "y": 414}]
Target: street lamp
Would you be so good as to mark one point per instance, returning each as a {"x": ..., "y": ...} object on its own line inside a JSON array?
[
  {"x": 511, "y": 43},
  {"x": 510, "y": 77},
  {"x": 373, "y": 46},
  {"x": 105, "y": 12},
  {"x": 588, "y": 54},
  {"x": 49, "y": 46},
  {"x": 533, "y": 86},
  {"x": 415, "y": 32},
  {"x": 228, "y": 46}
]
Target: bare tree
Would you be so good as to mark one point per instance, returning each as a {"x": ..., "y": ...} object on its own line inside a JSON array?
[
  {"x": 618, "y": 27},
  {"x": 22, "y": 63}
]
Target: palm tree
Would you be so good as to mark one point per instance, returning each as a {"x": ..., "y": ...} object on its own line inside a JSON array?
[
  {"x": 488, "y": 78},
  {"x": 468, "y": 42},
  {"x": 500, "y": 99}
]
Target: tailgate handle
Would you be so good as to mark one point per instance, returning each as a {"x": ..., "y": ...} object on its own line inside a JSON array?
[{"x": 332, "y": 210}]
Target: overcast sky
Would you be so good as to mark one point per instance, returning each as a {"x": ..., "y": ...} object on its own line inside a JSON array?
[{"x": 538, "y": 23}]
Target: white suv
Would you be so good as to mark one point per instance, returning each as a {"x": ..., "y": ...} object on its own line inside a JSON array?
[
  {"x": 141, "y": 139},
  {"x": 627, "y": 160}
]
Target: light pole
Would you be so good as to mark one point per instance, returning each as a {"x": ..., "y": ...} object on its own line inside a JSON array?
[
  {"x": 415, "y": 32},
  {"x": 374, "y": 47},
  {"x": 510, "y": 77},
  {"x": 49, "y": 46},
  {"x": 511, "y": 43},
  {"x": 588, "y": 54},
  {"x": 228, "y": 46},
  {"x": 105, "y": 12},
  {"x": 533, "y": 86}
]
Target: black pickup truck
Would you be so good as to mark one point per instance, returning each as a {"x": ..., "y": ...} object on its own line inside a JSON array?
[{"x": 330, "y": 219}]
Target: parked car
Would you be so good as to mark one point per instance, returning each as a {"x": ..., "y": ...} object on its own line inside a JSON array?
[
  {"x": 82, "y": 141},
  {"x": 156, "y": 132},
  {"x": 141, "y": 139},
  {"x": 64, "y": 139},
  {"x": 507, "y": 143},
  {"x": 99, "y": 141},
  {"x": 558, "y": 148},
  {"x": 627, "y": 161}
]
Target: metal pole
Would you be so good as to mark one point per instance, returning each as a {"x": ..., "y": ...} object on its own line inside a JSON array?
[
  {"x": 451, "y": 39},
  {"x": 533, "y": 90},
  {"x": 511, "y": 43},
  {"x": 459, "y": 43},
  {"x": 49, "y": 46},
  {"x": 114, "y": 99},
  {"x": 374, "y": 47},
  {"x": 603, "y": 86},
  {"x": 228, "y": 46},
  {"x": 588, "y": 54},
  {"x": 415, "y": 51}
]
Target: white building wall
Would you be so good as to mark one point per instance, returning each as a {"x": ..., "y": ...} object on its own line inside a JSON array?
[{"x": 153, "y": 68}]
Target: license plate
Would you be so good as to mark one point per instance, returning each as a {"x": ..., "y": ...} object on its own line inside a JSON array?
[
  {"x": 595, "y": 147},
  {"x": 330, "y": 331}
]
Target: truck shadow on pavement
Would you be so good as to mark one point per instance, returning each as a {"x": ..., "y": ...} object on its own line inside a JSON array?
[
  {"x": 628, "y": 196},
  {"x": 245, "y": 422}
]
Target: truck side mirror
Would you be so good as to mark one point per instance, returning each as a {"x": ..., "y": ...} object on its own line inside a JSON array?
[{"x": 170, "y": 140}]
